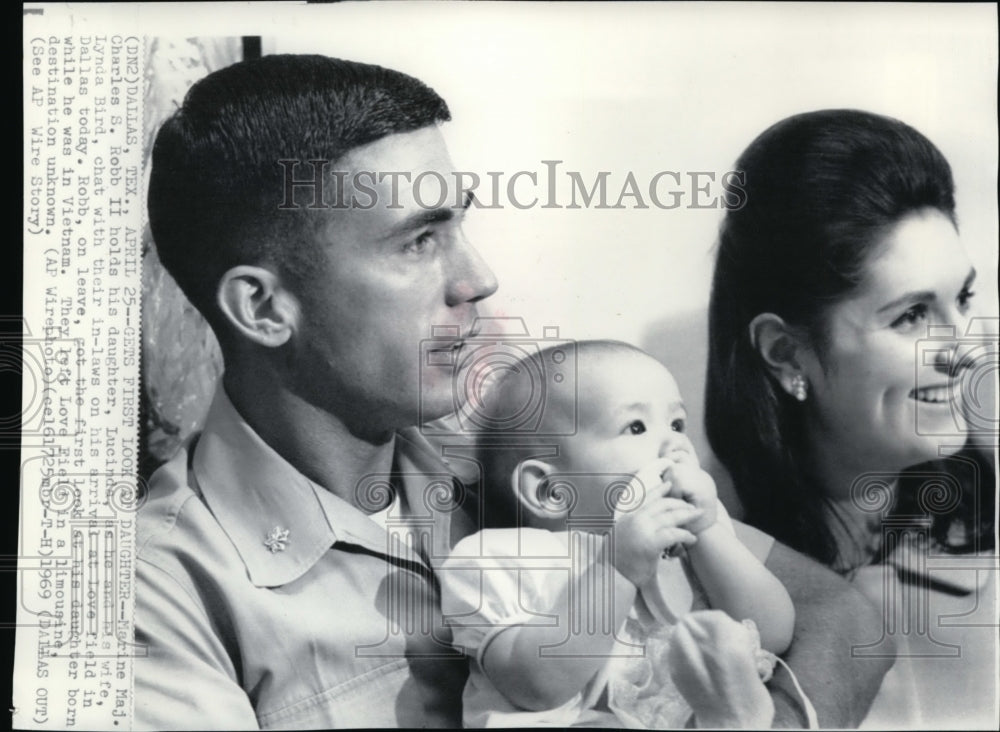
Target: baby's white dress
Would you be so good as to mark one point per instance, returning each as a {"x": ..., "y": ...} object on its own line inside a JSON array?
[{"x": 498, "y": 578}]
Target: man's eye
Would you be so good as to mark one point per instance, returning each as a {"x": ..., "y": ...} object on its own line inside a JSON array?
[
  {"x": 911, "y": 317},
  {"x": 964, "y": 297},
  {"x": 678, "y": 425},
  {"x": 636, "y": 427},
  {"x": 420, "y": 244}
]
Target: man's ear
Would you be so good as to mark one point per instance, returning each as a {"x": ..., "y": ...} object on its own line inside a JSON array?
[
  {"x": 257, "y": 305},
  {"x": 528, "y": 481},
  {"x": 782, "y": 349}
]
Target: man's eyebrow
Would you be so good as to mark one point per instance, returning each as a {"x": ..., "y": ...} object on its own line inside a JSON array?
[
  {"x": 429, "y": 217},
  {"x": 923, "y": 295}
]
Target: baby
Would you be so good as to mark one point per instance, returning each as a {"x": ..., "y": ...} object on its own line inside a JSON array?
[{"x": 605, "y": 538}]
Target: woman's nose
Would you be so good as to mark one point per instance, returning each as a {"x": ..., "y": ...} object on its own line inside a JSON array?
[
  {"x": 943, "y": 359},
  {"x": 953, "y": 359}
]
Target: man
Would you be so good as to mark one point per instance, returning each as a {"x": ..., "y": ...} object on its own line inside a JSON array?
[{"x": 286, "y": 555}]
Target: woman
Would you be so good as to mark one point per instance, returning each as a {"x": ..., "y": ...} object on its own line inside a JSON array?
[{"x": 823, "y": 384}]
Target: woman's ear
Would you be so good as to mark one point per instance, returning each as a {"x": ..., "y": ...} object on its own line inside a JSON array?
[
  {"x": 782, "y": 350},
  {"x": 528, "y": 481},
  {"x": 257, "y": 306}
]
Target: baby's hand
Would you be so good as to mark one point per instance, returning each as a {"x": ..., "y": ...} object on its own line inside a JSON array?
[
  {"x": 689, "y": 482},
  {"x": 657, "y": 522}
]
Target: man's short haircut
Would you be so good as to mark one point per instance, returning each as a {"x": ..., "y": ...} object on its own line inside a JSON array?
[{"x": 216, "y": 184}]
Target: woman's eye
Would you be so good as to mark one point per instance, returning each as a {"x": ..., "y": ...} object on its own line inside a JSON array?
[
  {"x": 636, "y": 427},
  {"x": 418, "y": 245},
  {"x": 911, "y": 317},
  {"x": 678, "y": 425},
  {"x": 964, "y": 297}
]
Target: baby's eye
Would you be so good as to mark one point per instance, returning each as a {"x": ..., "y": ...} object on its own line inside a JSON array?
[
  {"x": 678, "y": 425},
  {"x": 911, "y": 317},
  {"x": 636, "y": 427}
]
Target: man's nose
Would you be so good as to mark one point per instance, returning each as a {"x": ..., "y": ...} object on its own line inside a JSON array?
[{"x": 470, "y": 278}]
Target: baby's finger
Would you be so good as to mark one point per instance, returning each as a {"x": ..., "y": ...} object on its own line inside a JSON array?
[
  {"x": 677, "y": 515},
  {"x": 673, "y": 518},
  {"x": 650, "y": 474},
  {"x": 655, "y": 504},
  {"x": 679, "y": 518},
  {"x": 671, "y": 537},
  {"x": 682, "y": 455},
  {"x": 665, "y": 504}
]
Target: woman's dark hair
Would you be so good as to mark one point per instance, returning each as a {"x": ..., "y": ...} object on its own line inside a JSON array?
[{"x": 821, "y": 190}]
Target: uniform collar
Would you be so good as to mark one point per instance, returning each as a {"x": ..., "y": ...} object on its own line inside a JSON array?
[{"x": 256, "y": 495}]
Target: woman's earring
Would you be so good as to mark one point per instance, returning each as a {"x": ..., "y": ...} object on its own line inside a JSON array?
[{"x": 798, "y": 387}]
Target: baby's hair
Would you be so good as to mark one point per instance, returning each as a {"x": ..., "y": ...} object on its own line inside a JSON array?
[{"x": 500, "y": 449}]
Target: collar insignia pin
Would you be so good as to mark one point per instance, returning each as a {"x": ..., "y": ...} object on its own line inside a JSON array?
[{"x": 276, "y": 540}]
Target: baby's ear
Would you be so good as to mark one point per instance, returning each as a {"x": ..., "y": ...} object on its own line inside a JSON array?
[{"x": 528, "y": 481}]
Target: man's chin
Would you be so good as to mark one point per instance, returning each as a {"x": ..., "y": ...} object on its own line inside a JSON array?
[{"x": 434, "y": 410}]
